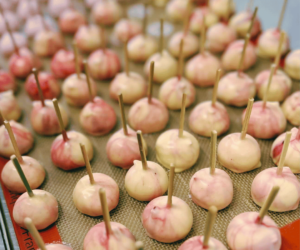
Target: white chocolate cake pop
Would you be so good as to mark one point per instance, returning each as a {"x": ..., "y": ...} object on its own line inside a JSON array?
[
  {"x": 176, "y": 10},
  {"x": 36, "y": 24},
  {"x": 26, "y": 9},
  {"x": 197, "y": 19},
  {"x": 291, "y": 108},
  {"x": 9, "y": 106},
  {"x": 6, "y": 45},
  {"x": 70, "y": 20},
  {"x": 56, "y": 7},
  {"x": 12, "y": 21},
  {"x": 125, "y": 29},
  {"x": 292, "y": 64},
  {"x": 7, "y": 81},
  {"x": 106, "y": 12},
  {"x": 222, "y": 8}
]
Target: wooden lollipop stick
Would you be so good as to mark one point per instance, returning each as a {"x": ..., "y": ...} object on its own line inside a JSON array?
[
  {"x": 13, "y": 141},
  {"x": 203, "y": 36},
  {"x": 264, "y": 209},
  {"x": 210, "y": 220},
  {"x": 34, "y": 233},
  {"x": 265, "y": 99},
  {"x": 142, "y": 150},
  {"x": 126, "y": 58},
  {"x": 121, "y": 105},
  {"x": 87, "y": 164},
  {"x": 283, "y": 152},
  {"x": 139, "y": 245},
  {"x": 60, "y": 120},
  {"x": 240, "y": 68},
  {"x": 252, "y": 21},
  {"x": 182, "y": 115},
  {"x": 105, "y": 210},
  {"x": 171, "y": 184},
  {"x": 247, "y": 118},
  {"x": 161, "y": 35},
  {"x": 278, "y": 55},
  {"x": 75, "y": 49},
  {"x": 213, "y": 151},
  {"x": 2, "y": 119},
  {"x": 150, "y": 86},
  {"x": 35, "y": 73},
  {"x": 281, "y": 15},
  {"x": 180, "y": 58},
  {"x": 215, "y": 91},
  {"x": 88, "y": 80},
  {"x": 145, "y": 20},
  {"x": 15, "y": 161}
]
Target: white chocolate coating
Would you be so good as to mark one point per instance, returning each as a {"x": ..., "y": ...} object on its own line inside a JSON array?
[
  {"x": 106, "y": 12},
  {"x": 26, "y": 9},
  {"x": 292, "y": 64},
  {"x": 291, "y": 108},
  {"x": 280, "y": 86},
  {"x": 42, "y": 209},
  {"x": 266, "y": 123},
  {"x": 58, "y": 247},
  {"x": 6, "y": 45},
  {"x": 76, "y": 90},
  {"x": 44, "y": 120},
  {"x": 245, "y": 233},
  {"x": 146, "y": 185},
  {"x": 34, "y": 172},
  {"x": 97, "y": 117},
  {"x": 35, "y": 25},
  {"x": 176, "y": 10},
  {"x": 122, "y": 150},
  {"x": 22, "y": 135},
  {"x": 104, "y": 64},
  {"x": 125, "y": 29},
  {"x": 86, "y": 196},
  {"x": 167, "y": 224},
  {"x": 56, "y": 7},
  {"x": 288, "y": 196},
  {"x": 70, "y": 20},
  {"x": 206, "y": 117},
  {"x": 232, "y": 157},
  {"x": 219, "y": 36},
  {"x": 165, "y": 66},
  {"x": 268, "y": 43},
  {"x": 133, "y": 87},
  {"x": 180, "y": 152},
  {"x": 9, "y": 106},
  {"x": 66, "y": 154},
  {"x": 7, "y": 81},
  {"x": 12, "y": 20},
  {"x": 148, "y": 117},
  {"x": 141, "y": 47},
  {"x": 196, "y": 21},
  {"x": 220, "y": 7},
  {"x": 232, "y": 56},
  {"x": 171, "y": 91},
  {"x": 234, "y": 90},
  {"x": 211, "y": 190},
  {"x": 120, "y": 239},
  {"x": 292, "y": 158},
  {"x": 201, "y": 69},
  {"x": 190, "y": 45},
  {"x": 196, "y": 243}
]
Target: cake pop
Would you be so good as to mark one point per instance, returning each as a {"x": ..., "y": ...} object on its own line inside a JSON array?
[
  {"x": 7, "y": 81},
  {"x": 292, "y": 64},
  {"x": 130, "y": 84},
  {"x": 282, "y": 177},
  {"x": 65, "y": 147},
  {"x": 9, "y": 106},
  {"x": 210, "y": 115},
  {"x": 293, "y": 157},
  {"x": 106, "y": 12},
  {"x": 63, "y": 63},
  {"x": 11, "y": 19},
  {"x": 252, "y": 230},
  {"x": 70, "y": 20},
  {"x": 202, "y": 16},
  {"x": 75, "y": 87},
  {"x": 291, "y": 108},
  {"x": 148, "y": 114},
  {"x": 125, "y": 29},
  {"x": 167, "y": 218},
  {"x": 222, "y": 8},
  {"x": 204, "y": 242},
  {"x": 230, "y": 154},
  {"x": 107, "y": 234},
  {"x": 145, "y": 180},
  {"x": 36, "y": 24},
  {"x": 122, "y": 147},
  {"x": 171, "y": 90},
  {"x": 40, "y": 206},
  {"x": 33, "y": 170},
  {"x": 97, "y": 117},
  {"x": 56, "y": 7},
  {"x": 26, "y": 8},
  {"x": 86, "y": 191},
  {"x": 267, "y": 119},
  {"x": 177, "y": 147},
  {"x": 177, "y": 9},
  {"x": 6, "y": 45},
  {"x": 165, "y": 64}
]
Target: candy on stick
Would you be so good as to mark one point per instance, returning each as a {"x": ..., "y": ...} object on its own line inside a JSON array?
[
  {"x": 7, "y": 81},
  {"x": 211, "y": 186},
  {"x": 145, "y": 180},
  {"x": 97, "y": 117},
  {"x": 6, "y": 45},
  {"x": 148, "y": 114},
  {"x": 222, "y": 8},
  {"x": 12, "y": 19},
  {"x": 176, "y": 10},
  {"x": 9, "y": 106},
  {"x": 252, "y": 230},
  {"x": 26, "y": 9},
  {"x": 65, "y": 150},
  {"x": 106, "y": 12},
  {"x": 86, "y": 191},
  {"x": 107, "y": 234},
  {"x": 177, "y": 147},
  {"x": 289, "y": 195},
  {"x": 35, "y": 24},
  {"x": 292, "y": 64},
  {"x": 70, "y": 20},
  {"x": 210, "y": 115},
  {"x": 167, "y": 218},
  {"x": 291, "y": 108},
  {"x": 56, "y": 7}
]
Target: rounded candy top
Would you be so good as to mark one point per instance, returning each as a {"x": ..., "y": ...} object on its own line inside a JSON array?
[
  {"x": 292, "y": 64},
  {"x": 291, "y": 108}
]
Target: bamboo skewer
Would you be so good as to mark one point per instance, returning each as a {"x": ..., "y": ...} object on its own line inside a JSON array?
[
  {"x": 281, "y": 15},
  {"x": 278, "y": 55},
  {"x": 60, "y": 120},
  {"x": 215, "y": 91},
  {"x": 88, "y": 80},
  {"x": 34, "y": 233},
  {"x": 87, "y": 164},
  {"x": 150, "y": 86},
  {"x": 105, "y": 210},
  {"x": 35, "y": 73},
  {"x": 283, "y": 152},
  {"x": 247, "y": 118},
  {"x": 142, "y": 150},
  {"x": 180, "y": 59},
  {"x": 210, "y": 220},
  {"x": 171, "y": 184},
  {"x": 240, "y": 68},
  {"x": 203, "y": 37},
  {"x": 182, "y": 115},
  {"x": 13, "y": 141},
  {"x": 75, "y": 50},
  {"x": 265, "y": 99},
  {"x": 121, "y": 105},
  {"x": 126, "y": 58},
  {"x": 213, "y": 152},
  {"x": 252, "y": 21}
]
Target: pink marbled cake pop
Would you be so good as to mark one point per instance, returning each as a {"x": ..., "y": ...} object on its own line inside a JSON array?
[
  {"x": 291, "y": 108},
  {"x": 56, "y": 7},
  {"x": 126, "y": 29},
  {"x": 292, "y": 64},
  {"x": 196, "y": 243},
  {"x": 7, "y": 81},
  {"x": 176, "y": 10},
  {"x": 9, "y": 106},
  {"x": 106, "y": 12},
  {"x": 26, "y": 9},
  {"x": 6, "y": 45},
  {"x": 196, "y": 20},
  {"x": 70, "y": 20}
]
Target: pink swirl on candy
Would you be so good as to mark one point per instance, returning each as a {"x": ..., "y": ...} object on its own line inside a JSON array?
[
  {"x": 7, "y": 81},
  {"x": 70, "y": 20},
  {"x": 126, "y": 29},
  {"x": 106, "y": 12},
  {"x": 291, "y": 108},
  {"x": 196, "y": 243},
  {"x": 9, "y": 106}
]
